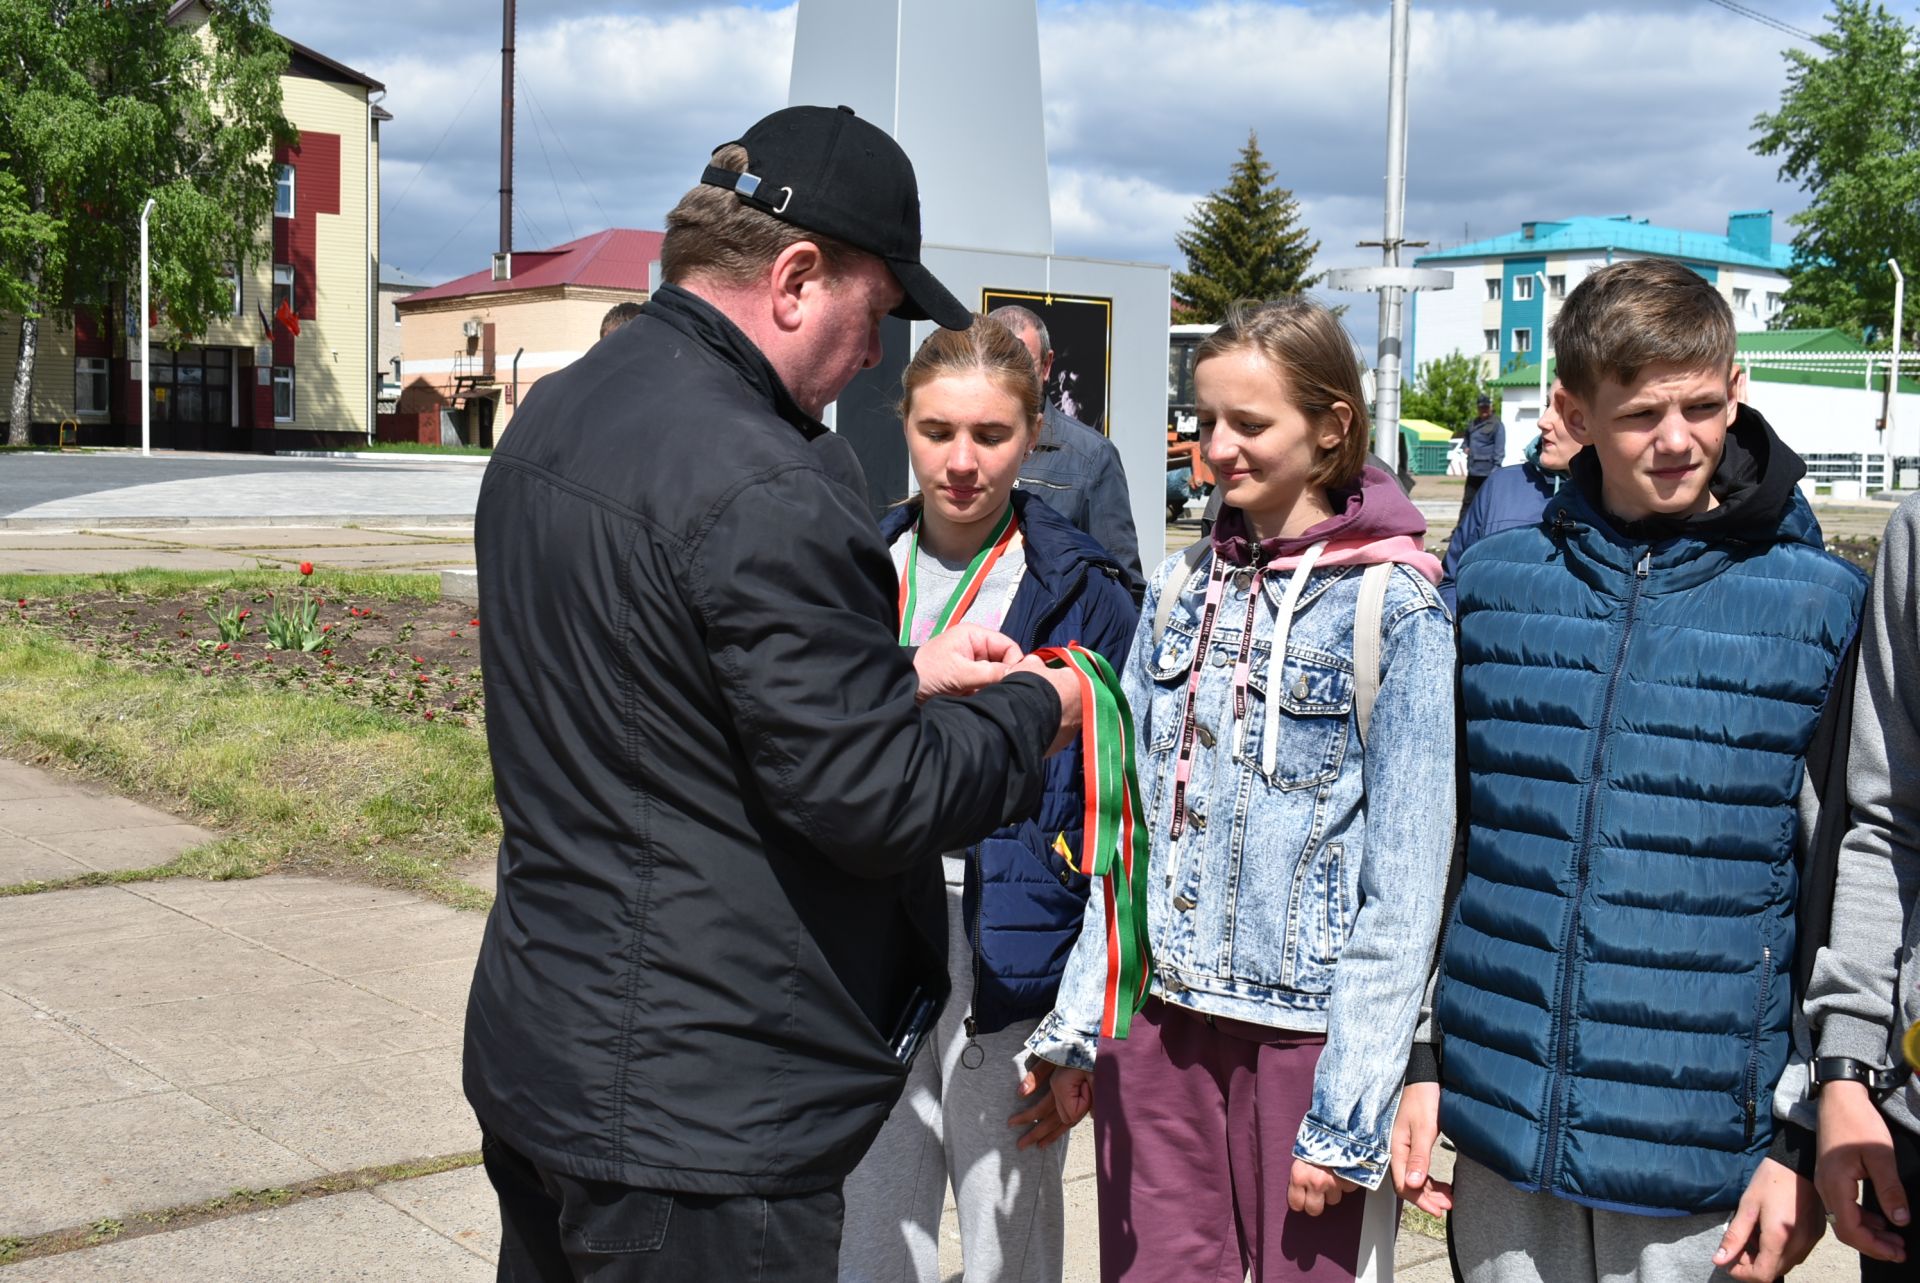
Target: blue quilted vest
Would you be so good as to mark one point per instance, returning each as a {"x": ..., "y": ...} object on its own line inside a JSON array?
[{"x": 1615, "y": 993}]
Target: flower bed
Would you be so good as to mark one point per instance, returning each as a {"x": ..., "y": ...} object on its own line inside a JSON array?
[{"x": 407, "y": 656}]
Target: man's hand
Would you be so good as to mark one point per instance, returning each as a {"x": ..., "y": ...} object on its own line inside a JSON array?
[
  {"x": 1067, "y": 686},
  {"x": 1415, "y": 1129},
  {"x": 1855, "y": 1146},
  {"x": 1314, "y": 1189},
  {"x": 1776, "y": 1225},
  {"x": 962, "y": 660},
  {"x": 1055, "y": 1099}
]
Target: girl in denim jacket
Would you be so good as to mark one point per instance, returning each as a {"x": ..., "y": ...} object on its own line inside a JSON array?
[{"x": 1298, "y": 861}]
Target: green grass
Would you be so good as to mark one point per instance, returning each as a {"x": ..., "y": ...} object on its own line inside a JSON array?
[
  {"x": 167, "y": 583},
  {"x": 292, "y": 781},
  {"x": 419, "y": 447}
]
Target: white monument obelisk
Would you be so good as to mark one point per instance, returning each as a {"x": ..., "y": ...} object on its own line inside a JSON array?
[{"x": 958, "y": 86}]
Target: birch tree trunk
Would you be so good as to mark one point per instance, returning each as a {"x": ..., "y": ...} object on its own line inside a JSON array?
[{"x": 20, "y": 417}]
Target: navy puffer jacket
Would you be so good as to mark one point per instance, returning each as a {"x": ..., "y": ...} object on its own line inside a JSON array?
[
  {"x": 1615, "y": 994},
  {"x": 1023, "y": 903}
]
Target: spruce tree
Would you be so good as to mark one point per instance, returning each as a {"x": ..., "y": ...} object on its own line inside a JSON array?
[{"x": 1245, "y": 241}]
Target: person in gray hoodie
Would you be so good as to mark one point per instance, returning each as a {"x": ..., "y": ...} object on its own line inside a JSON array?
[{"x": 1865, "y": 990}]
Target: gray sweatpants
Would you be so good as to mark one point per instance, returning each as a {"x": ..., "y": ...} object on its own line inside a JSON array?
[
  {"x": 1499, "y": 1235},
  {"x": 951, "y": 1126}
]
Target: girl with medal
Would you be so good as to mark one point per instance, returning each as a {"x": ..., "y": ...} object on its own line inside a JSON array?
[
  {"x": 1291, "y": 685},
  {"x": 971, "y": 547}
]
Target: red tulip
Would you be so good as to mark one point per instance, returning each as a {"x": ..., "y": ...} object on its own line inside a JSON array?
[
  {"x": 306, "y": 567},
  {"x": 473, "y": 623},
  {"x": 429, "y": 715}
]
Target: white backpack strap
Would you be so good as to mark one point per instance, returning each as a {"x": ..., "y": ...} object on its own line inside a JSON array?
[
  {"x": 1367, "y": 612},
  {"x": 1170, "y": 591}
]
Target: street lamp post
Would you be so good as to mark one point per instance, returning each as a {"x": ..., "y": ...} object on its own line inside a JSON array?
[
  {"x": 1542, "y": 278},
  {"x": 146, "y": 344}
]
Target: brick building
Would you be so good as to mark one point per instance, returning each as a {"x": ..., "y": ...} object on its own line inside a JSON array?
[{"x": 249, "y": 382}]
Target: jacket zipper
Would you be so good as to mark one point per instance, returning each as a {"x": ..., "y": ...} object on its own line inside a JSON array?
[
  {"x": 978, "y": 875},
  {"x": 1753, "y": 1053},
  {"x": 1563, "y": 1037}
]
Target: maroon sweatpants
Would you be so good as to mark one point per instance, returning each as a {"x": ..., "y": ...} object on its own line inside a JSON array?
[{"x": 1194, "y": 1120}]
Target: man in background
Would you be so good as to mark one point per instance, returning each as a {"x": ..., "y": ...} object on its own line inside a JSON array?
[{"x": 1073, "y": 468}]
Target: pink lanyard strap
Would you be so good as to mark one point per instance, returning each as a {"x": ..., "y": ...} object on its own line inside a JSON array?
[{"x": 1183, "y": 761}]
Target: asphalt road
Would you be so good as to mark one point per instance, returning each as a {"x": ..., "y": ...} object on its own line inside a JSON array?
[{"x": 115, "y": 486}]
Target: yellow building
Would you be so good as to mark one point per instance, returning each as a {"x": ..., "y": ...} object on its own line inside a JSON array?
[
  {"x": 475, "y": 345},
  {"x": 251, "y": 382}
]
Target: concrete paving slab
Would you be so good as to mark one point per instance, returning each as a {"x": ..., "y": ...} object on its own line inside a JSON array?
[
  {"x": 371, "y": 556},
  {"x": 116, "y": 850},
  {"x": 29, "y": 923},
  {"x": 281, "y": 897},
  {"x": 73, "y": 1166},
  {"x": 346, "y": 1117},
  {"x": 99, "y": 561},
  {"x": 375, "y": 939},
  {"x": 286, "y": 1029},
  {"x": 49, "y": 817},
  {"x": 459, "y": 1204},
  {"x": 437, "y": 988},
  {"x": 325, "y": 1240},
  {"x": 51, "y": 540},
  {"x": 18, "y": 782},
  {"x": 237, "y": 538},
  {"x": 24, "y": 860},
  {"x": 199, "y": 965},
  {"x": 45, "y": 1065}
]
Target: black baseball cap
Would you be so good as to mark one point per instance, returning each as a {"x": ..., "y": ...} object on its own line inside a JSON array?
[
  {"x": 828, "y": 171},
  {"x": 1485, "y": 402}
]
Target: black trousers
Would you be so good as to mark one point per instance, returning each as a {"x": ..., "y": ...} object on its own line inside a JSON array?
[
  {"x": 1466, "y": 496},
  {"x": 556, "y": 1228},
  {"x": 1906, "y": 1153}
]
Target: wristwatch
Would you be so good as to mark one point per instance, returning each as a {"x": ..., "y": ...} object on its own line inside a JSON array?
[{"x": 1844, "y": 1069}]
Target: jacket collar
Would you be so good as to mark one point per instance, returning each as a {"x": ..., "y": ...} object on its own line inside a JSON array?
[
  {"x": 707, "y": 325},
  {"x": 1057, "y": 551}
]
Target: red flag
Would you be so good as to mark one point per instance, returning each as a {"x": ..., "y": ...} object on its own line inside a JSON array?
[{"x": 284, "y": 315}]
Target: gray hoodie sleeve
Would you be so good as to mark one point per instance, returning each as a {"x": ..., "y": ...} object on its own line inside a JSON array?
[{"x": 1854, "y": 1000}]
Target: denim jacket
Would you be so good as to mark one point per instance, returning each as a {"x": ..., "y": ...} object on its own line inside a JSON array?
[{"x": 1309, "y": 900}]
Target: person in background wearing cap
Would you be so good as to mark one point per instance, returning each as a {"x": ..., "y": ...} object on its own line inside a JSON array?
[
  {"x": 719, "y": 934},
  {"x": 1073, "y": 467},
  {"x": 1486, "y": 450}
]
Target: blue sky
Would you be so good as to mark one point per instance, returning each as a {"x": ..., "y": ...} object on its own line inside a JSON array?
[{"x": 1519, "y": 111}]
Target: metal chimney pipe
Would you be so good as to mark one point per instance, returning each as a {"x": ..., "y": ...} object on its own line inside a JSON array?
[{"x": 506, "y": 127}]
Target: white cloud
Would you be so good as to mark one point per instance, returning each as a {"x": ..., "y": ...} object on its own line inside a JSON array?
[{"x": 1518, "y": 112}]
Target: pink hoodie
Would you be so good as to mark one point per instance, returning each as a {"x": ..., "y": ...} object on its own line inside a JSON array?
[{"x": 1373, "y": 522}]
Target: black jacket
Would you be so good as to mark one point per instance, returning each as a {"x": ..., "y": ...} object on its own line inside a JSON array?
[{"x": 719, "y": 879}]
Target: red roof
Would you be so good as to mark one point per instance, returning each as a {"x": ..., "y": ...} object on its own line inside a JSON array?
[{"x": 616, "y": 259}]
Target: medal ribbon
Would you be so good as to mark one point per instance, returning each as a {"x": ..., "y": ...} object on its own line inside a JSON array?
[
  {"x": 969, "y": 587},
  {"x": 1183, "y": 759},
  {"x": 1110, "y": 845}
]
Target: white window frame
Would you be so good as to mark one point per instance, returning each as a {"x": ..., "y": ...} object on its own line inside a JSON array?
[
  {"x": 1523, "y": 289},
  {"x": 282, "y": 275},
  {"x": 1773, "y": 301},
  {"x": 86, "y": 369},
  {"x": 1493, "y": 289},
  {"x": 395, "y": 305},
  {"x": 1557, "y": 286},
  {"x": 1522, "y": 340},
  {"x": 283, "y": 374},
  {"x": 1493, "y": 340},
  {"x": 239, "y": 287},
  {"x": 283, "y": 185}
]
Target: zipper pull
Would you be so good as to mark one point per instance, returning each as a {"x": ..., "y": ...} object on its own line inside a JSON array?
[
  {"x": 1646, "y": 560},
  {"x": 1750, "y": 1119}
]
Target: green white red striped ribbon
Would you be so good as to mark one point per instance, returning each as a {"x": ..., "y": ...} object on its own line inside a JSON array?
[
  {"x": 1112, "y": 846},
  {"x": 970, "y": 583}
]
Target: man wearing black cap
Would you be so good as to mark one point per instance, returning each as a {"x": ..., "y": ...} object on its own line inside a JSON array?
[
  {"x": 1486, "y": 449},
  {"x": 724, "y": 787}
]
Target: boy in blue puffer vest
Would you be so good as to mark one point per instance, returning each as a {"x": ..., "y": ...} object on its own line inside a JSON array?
[{"x": 1642, "y": 673}]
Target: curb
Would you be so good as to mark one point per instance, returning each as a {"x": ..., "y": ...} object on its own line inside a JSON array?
[
  {"x": 322, "y": 521},
  {"x": 386, "y": 456}
]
